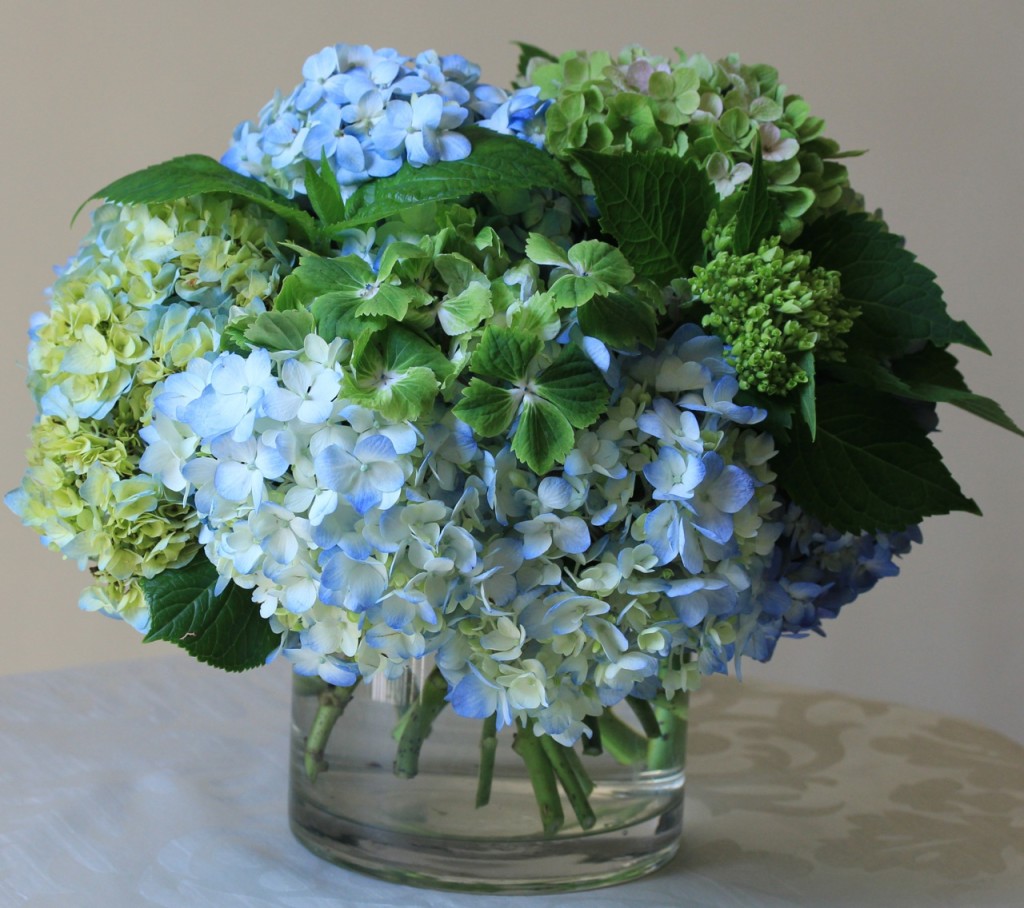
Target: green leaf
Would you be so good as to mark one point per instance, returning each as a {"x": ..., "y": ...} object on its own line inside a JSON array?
[
  {"x": 505, "y": 353},
  {"x": 496, "y": 163},
  {"x": 757, "y": 216},
  {"x": 339, "y": 289},
  {"x": 405, "y": 349},
  {"x": 335, "y": 315},
  {"x": 404, "y": 396},
  {"x": 223, "y": 630},
  {"x": 929, "y": 375},
  {"x": 901, "y": 305},
  {"x": 574, "y": 385},
  {"x": 280, "y": 330},
  {"x": 324, "y": 192},
  {"x": 537, "y": 316},
  {"x": 292, "y": 294},
  {"x": 398, "y": 375},
  {"x": 527, "y": 52},
  {"x": 594, "y": 267},
  {"x": 543, "y": 436},
  {"x": 655, "y": 205},
  {"x": 463, "y": 312},
  {"x": 807, "y": 393},
  {"x": 388, "y": 300},
  {"x": 932, "y": 374},
  {"x": 318, "y": 275},
  {"x": 870, "y": 468},
  {"x": 194, "y": 174},
  {"x": 232, "y": 338},
  {"x": 620, "y": 320},
  {"x": 458, "y": 272},
  {"x": 486, "y": 409},
  {"x": 542, "y": 250},
  {"x": 780, "y": 412}
]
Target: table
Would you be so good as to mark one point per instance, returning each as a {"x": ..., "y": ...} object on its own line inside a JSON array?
[{"x": 163, "y": 783}]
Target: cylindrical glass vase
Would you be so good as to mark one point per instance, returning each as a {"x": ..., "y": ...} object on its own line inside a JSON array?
[{"x": 350, "y": 805}]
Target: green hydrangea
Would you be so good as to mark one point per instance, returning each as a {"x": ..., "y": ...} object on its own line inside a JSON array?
[
  {"x": 713, "y": 113},
  {"x": 770, "y": 307},
  {"x": 83, "y": 495}
]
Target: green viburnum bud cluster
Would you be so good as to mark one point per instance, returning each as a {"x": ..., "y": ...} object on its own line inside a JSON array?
[
  {"x": 712, "y": 113},
  {"x": 770, "y": 307}
]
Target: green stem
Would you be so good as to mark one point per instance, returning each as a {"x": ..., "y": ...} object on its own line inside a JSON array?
[
  {"x": 644, "y": 712},
  {"x": 579, "y": 769},
  {"x": 575, "y": 791},
  {"x": 332, "y": 703},
  {"x": 592, "y": 745},
  {"x": 488, "y": 748},
  {"x": 402, "y": 723},
  {"x": 668, "y": 750},
  {"x": 419, "y": 723},
  {"x": 542, "y": 778},
  {"x": 623, "y": 742}
]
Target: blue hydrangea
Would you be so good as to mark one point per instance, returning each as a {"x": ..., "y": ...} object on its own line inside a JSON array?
[{"x": 369, "y": 111}]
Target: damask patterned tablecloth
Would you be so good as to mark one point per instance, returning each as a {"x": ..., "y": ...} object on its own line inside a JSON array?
[{"x": 164, "y": 783}]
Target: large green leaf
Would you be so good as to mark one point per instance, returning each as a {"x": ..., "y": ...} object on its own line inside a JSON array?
[
  {"x": 869, "y": 468},
  {"x": 224, "y": 630},
  {"x": 930, "y": 375},
  {"x": 655, "y": 205},
  {"x": 496, "y": 163},
  {"x": 901, "y": 305},
  {"x": 195, "y": 174}
]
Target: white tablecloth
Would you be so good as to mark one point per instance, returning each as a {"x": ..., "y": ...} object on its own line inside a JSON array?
[{"x": 164, "y": 783}]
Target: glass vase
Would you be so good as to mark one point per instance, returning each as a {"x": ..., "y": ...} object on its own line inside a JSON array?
[{"x": 353, "y": 802}]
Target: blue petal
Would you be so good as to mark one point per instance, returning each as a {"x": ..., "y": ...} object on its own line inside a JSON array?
[
  {"x": 473, "y": 698},
  {"x": 233, "y": 481}
]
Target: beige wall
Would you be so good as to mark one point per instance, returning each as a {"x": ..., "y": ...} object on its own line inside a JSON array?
[{"x": 89, "y": 91}]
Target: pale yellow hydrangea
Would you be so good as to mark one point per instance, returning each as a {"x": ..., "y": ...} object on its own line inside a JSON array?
[{"x": 149, "y": 290}]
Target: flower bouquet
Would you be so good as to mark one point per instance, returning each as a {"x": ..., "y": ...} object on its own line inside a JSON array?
[{"x": 537, "y": 405}]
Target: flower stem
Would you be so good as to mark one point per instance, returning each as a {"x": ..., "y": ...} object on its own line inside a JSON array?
[
  {"x": 644, "y": 712},
  {"x": 488, "y": 748},
  {"x": 625, "y": 744},
  {"x": 575, "y": 791},
  {"x": 332, "y": 703},
  {"x": 579, "y": 769},
  {"x": 419, "y": 723},
  {"x": 542, "y": 778},
  {"x": 592, "y": 745},
  {"x": 668, "y": 750}
]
